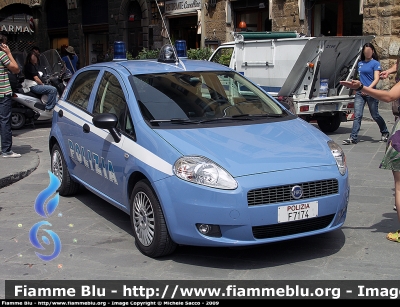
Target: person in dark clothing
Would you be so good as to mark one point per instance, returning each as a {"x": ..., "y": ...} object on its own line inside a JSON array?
[
  {"x": 70, "y": 58},
  {"x": 36, "y": 50},
  {"x": 34, "y": 82}
]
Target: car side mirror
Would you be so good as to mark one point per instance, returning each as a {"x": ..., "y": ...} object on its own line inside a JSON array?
[{"x": 108, "y": 121}]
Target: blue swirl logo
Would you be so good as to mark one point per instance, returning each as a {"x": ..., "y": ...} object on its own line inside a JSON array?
[{"x": 45, "y": 210}]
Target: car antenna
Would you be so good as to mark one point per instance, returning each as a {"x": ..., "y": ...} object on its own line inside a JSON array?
[{"x": 169, "y": 38}]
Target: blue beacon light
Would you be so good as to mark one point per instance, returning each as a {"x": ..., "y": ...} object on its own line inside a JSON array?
[
  {"x": 119, "y": 51},
  {"x": 181, "y": 49}
]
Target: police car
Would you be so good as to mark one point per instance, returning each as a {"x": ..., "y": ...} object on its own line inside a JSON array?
[{"x": 196, "y": 154}]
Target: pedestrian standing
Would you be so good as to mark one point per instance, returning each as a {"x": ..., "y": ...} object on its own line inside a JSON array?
[
  {"x": 70, "y": 58},
  {"x": 7, "y": 61},
  {"x": 369, "y": 69},
  {"x": 391, "y": 159}
]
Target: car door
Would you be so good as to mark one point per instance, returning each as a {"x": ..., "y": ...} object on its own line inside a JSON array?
[
  {"x": 107, "y": 156},
  {"x": 72, "y": 117}
]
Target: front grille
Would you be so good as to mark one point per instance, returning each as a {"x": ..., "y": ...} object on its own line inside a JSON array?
[
  {"x": 291, "y": 228},
  {"x": 281, "y": 194}
]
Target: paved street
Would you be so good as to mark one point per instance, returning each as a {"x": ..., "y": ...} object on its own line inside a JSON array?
[{"x": 97, "y": 240}]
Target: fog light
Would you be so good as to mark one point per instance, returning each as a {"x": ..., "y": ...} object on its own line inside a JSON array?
[
  {"x": 204, "y": 228},
  {"x": 209, "y": 230}
]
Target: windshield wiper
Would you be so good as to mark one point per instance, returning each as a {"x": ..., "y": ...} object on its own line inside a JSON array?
[
  {"x": 233, "y": 117},
  {"x": 264, "y": 115},
  {"x": 241, "y": 117},
  {"x": 174, "y": 121}
]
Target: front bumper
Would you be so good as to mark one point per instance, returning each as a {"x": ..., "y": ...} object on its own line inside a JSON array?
[{"x": 187, "y": 204}]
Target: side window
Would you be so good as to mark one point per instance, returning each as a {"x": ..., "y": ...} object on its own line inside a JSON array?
[
  {"x": 81, "y": 89},
  {"x": 110, "y": 98}
]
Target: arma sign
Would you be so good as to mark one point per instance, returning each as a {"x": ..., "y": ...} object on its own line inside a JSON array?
[
  {"x": 19, "y": 23},
  {"x": 182, "y": 6}
]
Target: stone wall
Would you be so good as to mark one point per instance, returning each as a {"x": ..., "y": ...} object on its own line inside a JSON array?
[
  {"x": 214, "y": 23},
  {"x": 286, "y": 16}
]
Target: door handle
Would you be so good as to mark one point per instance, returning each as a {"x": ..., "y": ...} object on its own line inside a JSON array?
[{"x": 86, "y": 128}]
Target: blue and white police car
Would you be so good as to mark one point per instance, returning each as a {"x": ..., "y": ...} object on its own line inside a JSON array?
[{"x": 196, "y": 154}]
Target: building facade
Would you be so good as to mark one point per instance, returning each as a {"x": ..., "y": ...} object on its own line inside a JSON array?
[{"x": 91, "y": 26}]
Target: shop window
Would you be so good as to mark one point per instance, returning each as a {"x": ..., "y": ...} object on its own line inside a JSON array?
[
  {"x": 335, "y": 18},
  {"x": 185, "y": 28},
  {"x": 98, "y": 47},
  {"x": 255, "y": 20}
]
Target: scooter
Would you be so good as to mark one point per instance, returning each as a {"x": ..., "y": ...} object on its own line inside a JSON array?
[
  {"x": 54, "y": 73},
  {"x": 21, "y": 115}
]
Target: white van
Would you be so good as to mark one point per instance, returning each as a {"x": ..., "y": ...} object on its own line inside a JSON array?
[{"x": 301, "y": 71}]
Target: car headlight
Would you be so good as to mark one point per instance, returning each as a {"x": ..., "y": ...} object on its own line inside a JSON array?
[
  {"x": 200, "y": 170},
  {"x": 339, "y": 156}
]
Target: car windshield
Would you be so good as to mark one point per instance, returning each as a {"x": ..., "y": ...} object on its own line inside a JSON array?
[{"x": 201, "y": 97}]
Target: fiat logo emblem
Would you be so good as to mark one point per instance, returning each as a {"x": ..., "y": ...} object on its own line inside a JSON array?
[{"x": 297, "y": 192}]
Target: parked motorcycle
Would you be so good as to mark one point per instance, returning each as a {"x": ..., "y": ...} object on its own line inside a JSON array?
[{"x": 29, "y": 107}]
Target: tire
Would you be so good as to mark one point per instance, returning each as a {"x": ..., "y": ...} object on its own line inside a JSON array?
[
  {"x": 148, "y": 223},
  {"x": 17, "y": 120},
  {"x": 329, "y": 124},
  {"x": 59, "y": 168}
]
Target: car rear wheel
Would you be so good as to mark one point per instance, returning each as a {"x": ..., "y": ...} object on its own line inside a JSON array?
[
  {"x": 148, "y": 223},
  {"x": 17, "y": 120},
  {"x": 59, "y": 168}
]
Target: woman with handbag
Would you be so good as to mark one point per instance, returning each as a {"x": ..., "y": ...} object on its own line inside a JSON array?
[{"x": 69, "y": 57}]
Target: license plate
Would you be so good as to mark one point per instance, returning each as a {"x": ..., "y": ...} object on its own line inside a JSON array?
[
  {"x": 297, "y": 212},
  {"x": 326, "y": 107}
]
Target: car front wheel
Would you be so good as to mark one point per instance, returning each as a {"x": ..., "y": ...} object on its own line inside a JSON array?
[
  {"x": 148, "y": 223},
  {"x": 59, "y": 168}
]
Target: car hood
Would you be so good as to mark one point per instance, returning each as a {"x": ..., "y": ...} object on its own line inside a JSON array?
[{"x": 257, "y": 148}]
